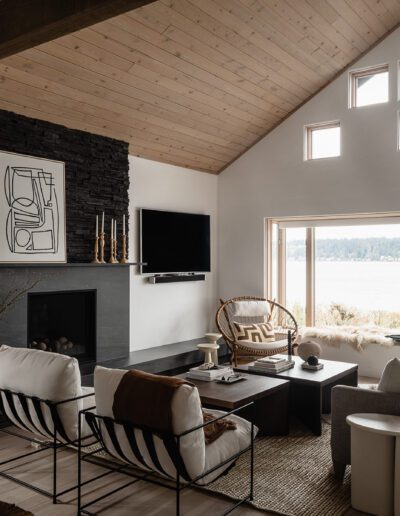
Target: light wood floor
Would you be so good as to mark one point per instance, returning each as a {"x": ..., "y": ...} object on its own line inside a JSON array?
[{"x": 139, "y": 499}]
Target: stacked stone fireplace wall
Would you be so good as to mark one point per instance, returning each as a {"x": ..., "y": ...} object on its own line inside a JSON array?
[{"x": 96, "y": 173}]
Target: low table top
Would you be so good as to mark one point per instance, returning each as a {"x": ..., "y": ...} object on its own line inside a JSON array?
[
  {"x": 331, "y": 371},
  {"x": 376, "y": 423},
  {"x": 237, "y": 394}
]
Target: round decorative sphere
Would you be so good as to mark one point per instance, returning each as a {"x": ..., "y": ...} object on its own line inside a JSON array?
[
  {"x": 312, "y": 360},
  {"x": 306, "y": 349}
]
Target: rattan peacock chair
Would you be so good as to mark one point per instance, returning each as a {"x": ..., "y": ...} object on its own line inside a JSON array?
[{"x": 281, "y": 319}]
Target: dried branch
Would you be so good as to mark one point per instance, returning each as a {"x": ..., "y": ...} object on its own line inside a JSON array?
[{"x": 14, "y": 295}]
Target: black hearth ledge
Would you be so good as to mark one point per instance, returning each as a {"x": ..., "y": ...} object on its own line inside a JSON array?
[
  {"x": 47, "y": 265},
  {"x": 169, "y": 359}
]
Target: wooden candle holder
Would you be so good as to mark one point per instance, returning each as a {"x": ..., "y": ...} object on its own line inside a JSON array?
[
  {"x": 96, "y": 251},
  {"x": 112, "y": 251},
  {"x": 101, "y": 258},
  {"x": 124, "y": 258},
  {"x": 115, "y": 251}
]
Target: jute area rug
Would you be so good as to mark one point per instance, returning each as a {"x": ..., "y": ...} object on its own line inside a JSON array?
[{"x": 293, "y": 476}]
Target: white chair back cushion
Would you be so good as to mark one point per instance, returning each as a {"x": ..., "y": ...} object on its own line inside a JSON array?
[
  {"x": 251, "y": 308},
  {"x": 186, "y": 414},
  {"x": 390, "y": 379},
  {"x": 48, "y": 376}
]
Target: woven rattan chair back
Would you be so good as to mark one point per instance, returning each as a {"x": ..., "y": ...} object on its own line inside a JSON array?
[{"x": 280, "y": 317}]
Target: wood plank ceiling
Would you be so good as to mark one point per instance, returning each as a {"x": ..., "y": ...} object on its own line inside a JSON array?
[{"x": 193, "y": 82}]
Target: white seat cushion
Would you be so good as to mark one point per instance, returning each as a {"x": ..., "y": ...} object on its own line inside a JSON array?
[
  {"x": 48, "y": 376},
  {"x": 262, "y": 346},
  {"x": 230, "y": 443}
]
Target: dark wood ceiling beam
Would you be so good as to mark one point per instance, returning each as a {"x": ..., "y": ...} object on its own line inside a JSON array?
[{"x": 27, "y": 23}]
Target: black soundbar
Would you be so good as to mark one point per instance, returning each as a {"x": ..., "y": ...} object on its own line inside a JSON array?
[{"x": 172, "y": 278}]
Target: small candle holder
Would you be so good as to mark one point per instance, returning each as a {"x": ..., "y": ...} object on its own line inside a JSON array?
[
  {"x": 115, "y": 251},
  {"x": 101, "y": 258},
  {"x": 124, "y": 257},
  {"x": 96, "y": 251}
]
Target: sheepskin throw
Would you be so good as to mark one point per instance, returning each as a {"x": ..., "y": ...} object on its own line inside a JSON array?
[{"x": 359, "y": 337}]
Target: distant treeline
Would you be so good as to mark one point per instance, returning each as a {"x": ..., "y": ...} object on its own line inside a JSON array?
[{"x": 348, "y": 249}]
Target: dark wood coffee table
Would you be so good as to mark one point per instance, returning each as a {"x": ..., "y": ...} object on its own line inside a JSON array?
[
  {"x": 270, "y": 396},
  {"x": 310, "y": 391}
]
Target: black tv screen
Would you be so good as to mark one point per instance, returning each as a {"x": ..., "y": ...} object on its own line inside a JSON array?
[{"x": 174, "y": 242}]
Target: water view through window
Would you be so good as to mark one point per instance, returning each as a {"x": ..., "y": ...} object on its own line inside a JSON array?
[{"x": 357, "y": 274}]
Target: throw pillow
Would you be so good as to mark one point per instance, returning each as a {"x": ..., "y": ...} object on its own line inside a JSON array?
[
  {"x": 251, "y": 308},
  {"x": 390, "y": 379},
  {"x": 256, "y": 332}
]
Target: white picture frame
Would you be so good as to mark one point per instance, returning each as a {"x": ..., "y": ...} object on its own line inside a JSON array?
[{"x": 32, "y": 209}]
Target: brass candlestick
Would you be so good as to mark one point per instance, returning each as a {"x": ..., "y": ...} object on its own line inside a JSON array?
[
  {"x": 102, "y": 260},
  {"x": 96, "y": 251},
  {"x": 124, "y": 257}
]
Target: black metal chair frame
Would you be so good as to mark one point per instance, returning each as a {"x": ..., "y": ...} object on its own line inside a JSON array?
[
  {"x": 52, "y": 443},
  {"x": 93, "y": 421}
]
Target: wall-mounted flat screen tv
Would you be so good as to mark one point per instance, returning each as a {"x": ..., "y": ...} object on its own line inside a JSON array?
[{"x": 173, "y": 242}]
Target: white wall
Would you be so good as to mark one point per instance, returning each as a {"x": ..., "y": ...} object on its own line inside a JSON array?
[
  {"x": 171, "y": 312},
  {"x": 272, "y": 179}
]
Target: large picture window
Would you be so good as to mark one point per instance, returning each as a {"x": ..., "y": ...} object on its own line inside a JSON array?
[{"x": 337, "y": 271}]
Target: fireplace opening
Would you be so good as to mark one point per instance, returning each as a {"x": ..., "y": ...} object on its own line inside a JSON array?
[{"x": 63, "y": 322}]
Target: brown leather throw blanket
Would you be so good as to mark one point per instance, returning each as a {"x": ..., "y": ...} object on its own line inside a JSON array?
[
  {"x": 215, "y": 430},
  {"x": 144, "y": 399}
]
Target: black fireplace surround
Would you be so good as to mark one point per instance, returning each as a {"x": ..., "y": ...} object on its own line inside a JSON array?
[{"x": 63, "y": 322}]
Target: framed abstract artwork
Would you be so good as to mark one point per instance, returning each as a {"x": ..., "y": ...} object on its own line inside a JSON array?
[{"x": 32, "y": 209}]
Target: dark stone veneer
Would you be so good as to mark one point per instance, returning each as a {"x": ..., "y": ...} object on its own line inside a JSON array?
[{"x": 96, "y": 174}]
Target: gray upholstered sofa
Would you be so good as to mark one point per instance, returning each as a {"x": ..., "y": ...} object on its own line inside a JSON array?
[{"x": 351, "y": 400}]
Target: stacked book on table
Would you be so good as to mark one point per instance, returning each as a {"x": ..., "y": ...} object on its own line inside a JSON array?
[
  {"x": 273, "y": 364},
  {"x": 208, "y": 375}
]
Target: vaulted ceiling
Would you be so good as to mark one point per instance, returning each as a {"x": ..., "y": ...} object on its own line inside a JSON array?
[{"x": 193, "y": 82}]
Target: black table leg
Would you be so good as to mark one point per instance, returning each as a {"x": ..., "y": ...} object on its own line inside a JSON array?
[
  {"x": 306, "y": 405},
  {"x": 272, "y": 413}
]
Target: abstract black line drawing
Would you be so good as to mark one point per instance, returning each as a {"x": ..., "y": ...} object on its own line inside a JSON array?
[{"x": 33, "y": 219}]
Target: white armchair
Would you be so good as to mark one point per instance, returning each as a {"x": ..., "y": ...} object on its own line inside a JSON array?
[
  {"x": 181, "y": 456},
  {"x": 41, "y": 393}
]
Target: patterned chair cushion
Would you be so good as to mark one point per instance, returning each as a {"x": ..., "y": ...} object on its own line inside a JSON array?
[{"x": 254, "y": 332}]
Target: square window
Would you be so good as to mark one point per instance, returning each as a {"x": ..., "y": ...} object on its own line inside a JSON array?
[
  {"x": 323, "y": 141},
  {"x": 370, "y": 86}
]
